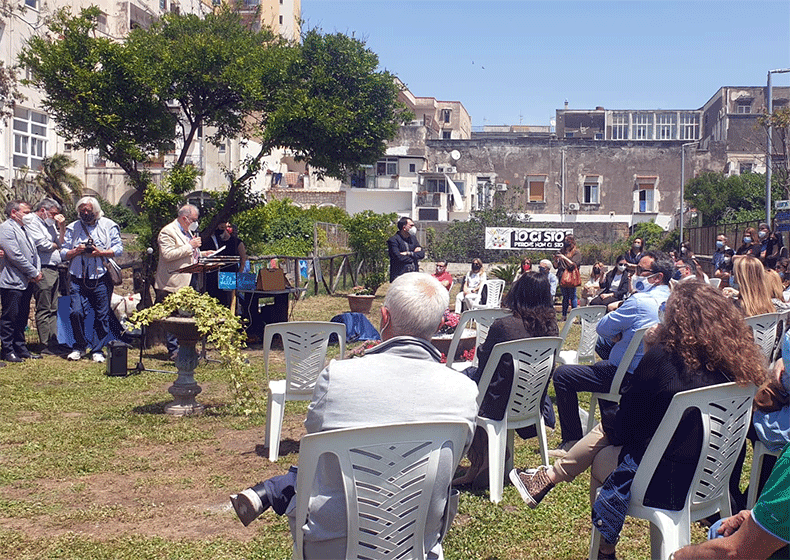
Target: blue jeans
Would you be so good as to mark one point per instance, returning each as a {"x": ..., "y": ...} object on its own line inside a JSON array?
[
  {"x": 93, "y": 293},
  {"x": 570, "y": 380},
  {"x": 568, "y": 298}
]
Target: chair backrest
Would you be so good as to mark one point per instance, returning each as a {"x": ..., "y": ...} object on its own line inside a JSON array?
[
  {"x": 589, "y": 317},
  {"x": 764, "y": 329},
  {"x": 715, "y": 282},
  {"x": 389, "y": 474},
  {"x": 726, "y": 413},
  {"x": 494, "y": 289},
  {"x": 533, "y": 362},
  {"x": 304, "y": 346},
  {"x": 483, "y": 318},
  {"x": 630, "y": 352}
]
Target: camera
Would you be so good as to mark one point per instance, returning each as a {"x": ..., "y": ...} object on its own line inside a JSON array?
[{"x": 90, "y": 246}]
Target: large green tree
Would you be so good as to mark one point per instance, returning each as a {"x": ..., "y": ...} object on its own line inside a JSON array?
[
  {"x": 723, "y": 199},
  {"x": 323, "y": 98}
]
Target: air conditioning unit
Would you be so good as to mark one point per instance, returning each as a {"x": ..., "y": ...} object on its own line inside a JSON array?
[
  {"x": 501, "y": 187},
  {"x": 445, "y": 169},
  {"x": 573, "y": 206}
]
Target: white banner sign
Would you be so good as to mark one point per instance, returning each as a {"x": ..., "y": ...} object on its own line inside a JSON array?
[{"x": 525, "y": 238}]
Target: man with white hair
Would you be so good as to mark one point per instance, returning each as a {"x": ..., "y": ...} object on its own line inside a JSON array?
[
  {"x": 400, "y": 380},
  {"x": 46, "y": 228},
  {"x": 87, "y": 243},
  {"x": 544, "y": 267}
]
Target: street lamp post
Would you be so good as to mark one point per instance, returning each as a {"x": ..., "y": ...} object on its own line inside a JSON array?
[
  {"x": 769, "y": 144},
  {"x": 683, "y": 185}
]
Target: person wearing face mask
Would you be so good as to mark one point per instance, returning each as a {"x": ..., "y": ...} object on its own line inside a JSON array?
[
  {"x": 751, "y": 243},
  {"x": 593, "y": 286},
  {"x": 770, "y": 246},
  {"x": 404, "y": 249},
  {"x": 724, "y": 271},
  {"x": 470, "y": 290},
  {"x": 634, "y": 254},
  {"x": 224, "y": 238},
  {"x": 87, "y": 243},
  {"x": 46, "y": 228},
  {"x": 651, "y": 285},
  {"x": 179, "y": 246},
  {"x": 718, "y": 254},
  {"x": 616, "y": 284}
]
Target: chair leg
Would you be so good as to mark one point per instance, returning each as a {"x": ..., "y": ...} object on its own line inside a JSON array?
[
  {"x": 542, "y": 443},
  {"x": 510, "y": 451},
  {"x": 275, "y": 424},
  {"x": 591, "y": 414},
  {"x": 595, "y": 544},
  {"x": 497, "y": 444}
]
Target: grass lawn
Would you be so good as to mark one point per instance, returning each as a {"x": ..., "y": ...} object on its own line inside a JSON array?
[{"x": 91, "y": 468}]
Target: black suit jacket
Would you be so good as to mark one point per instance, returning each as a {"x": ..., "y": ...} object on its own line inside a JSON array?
[{"x": 400, "y": 264}]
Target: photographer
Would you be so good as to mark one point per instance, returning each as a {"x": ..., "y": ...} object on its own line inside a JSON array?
[{"x": 88, "y": 243}]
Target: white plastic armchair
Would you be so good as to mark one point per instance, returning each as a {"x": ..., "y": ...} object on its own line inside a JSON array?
[
  {"x": 760, "y": 451},
  {"x": 389, "y": 475},
  {"x": 494, "y": 289},
  {"x": 533, "y": 362},
  {"x": 482, "y": 319},
  {"x": 726, "y": 412},
  {"x": 715, "y": 282},
  {"x": 764, "y": 328},
  {"x": 589, "y": 317},
  {"x": 304, "y": 345},
  {"x": 613, "y": 395}
]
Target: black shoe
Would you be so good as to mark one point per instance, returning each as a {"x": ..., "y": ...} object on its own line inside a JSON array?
[
  {"x": 11, "y": 357},
  {"x": 250, "y": 503},
  {"x": 29, "y": 356}
]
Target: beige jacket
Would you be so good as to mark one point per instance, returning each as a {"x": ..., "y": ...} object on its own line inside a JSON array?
[{"x": 174, "y": 252}]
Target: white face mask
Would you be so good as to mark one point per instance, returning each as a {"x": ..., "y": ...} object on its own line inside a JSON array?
[
  {"x": 642, "y": 285},
  {"x": 193, "y": 227},
  {"x": 413, "y": 230},
  {"x": 50, "y": 221},
  {"x": 621, "y": 267}
]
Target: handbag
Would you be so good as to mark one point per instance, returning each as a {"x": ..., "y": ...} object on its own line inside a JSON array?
[
  {"x": 570, "y": 278},
  {"x": 114, "y": 270}
]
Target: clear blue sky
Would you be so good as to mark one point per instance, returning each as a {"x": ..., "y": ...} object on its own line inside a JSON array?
[{"x": 517, "y": 61}]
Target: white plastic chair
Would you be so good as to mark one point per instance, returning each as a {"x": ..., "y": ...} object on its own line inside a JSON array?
[
  {"x": 389, "y": 475},
  {"x": 533, "y": 362},
  {"x": 494, "y": 289},
  {"x": 715, "y": 282},
  {"x": 483, "y": 319},
  {"x": 726, "y": 412},
  {"x": 760, "y": 451},
  {"x": 764, "y": 329},
  {"x": 304, "y": 346},
  {"x": 585, "y": 353},
  {"x": 614, "y": 390}
]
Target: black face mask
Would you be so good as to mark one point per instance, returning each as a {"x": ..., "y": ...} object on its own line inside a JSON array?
[
  {"x": 596, "y": 271},
  {"x": 87, "y": 217}
]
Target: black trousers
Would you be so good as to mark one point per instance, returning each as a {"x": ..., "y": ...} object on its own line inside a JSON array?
[{"x": 13, "y": 319}]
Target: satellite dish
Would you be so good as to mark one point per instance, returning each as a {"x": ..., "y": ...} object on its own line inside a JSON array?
[{"x": 456, "y": 155}]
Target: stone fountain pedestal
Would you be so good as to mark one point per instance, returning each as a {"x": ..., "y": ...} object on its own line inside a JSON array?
[{"x": 185, "y": 388}]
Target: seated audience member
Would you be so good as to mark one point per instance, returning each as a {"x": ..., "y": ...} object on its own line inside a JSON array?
[
  {"x": 679, "y": 358},
  {"x": 749, "y": 288},
  {"x": 724, "y": 268},
  {"x": 525, "y": 266},
  {"x": 634, "y": 254},
  {"x": 770, "y": 245},
  {"x": 593, "y": 286},
  {"x": 441, "y": 274},
  {"x": 473, "y": 284},
  {"x": 544, "y": 267},
  {"x": 760, "y": 533},
  {"x": 718, "y": 254},
  {"x": 405, "y": 380},
  {"x": 687, "y": 269},
  {"x": 533, "y": 315},
  {"x": 776, "y": 290},
  {"x": 751, "y": 244},
  {"x": 618, "y": 327},
  {"x": 616, "y": 285}
]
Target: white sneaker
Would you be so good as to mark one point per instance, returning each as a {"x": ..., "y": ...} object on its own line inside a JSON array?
[
  {"x": 98, "y": 357},
  {"x": 74, "y": 355}
]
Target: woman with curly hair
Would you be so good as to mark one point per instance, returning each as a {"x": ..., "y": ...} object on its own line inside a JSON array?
[
  {"x": 749, "y": 287},
  {"x": 701, "y": 341},
  {"x": 530, "y": 300}
]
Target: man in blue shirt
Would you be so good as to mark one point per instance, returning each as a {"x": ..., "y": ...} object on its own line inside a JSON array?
[
  {"x": 87, "y": 243},
  {"x": 651, "y": 290}
]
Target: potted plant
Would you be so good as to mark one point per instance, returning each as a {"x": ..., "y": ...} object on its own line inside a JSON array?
[{"x": 190, "y": 316}]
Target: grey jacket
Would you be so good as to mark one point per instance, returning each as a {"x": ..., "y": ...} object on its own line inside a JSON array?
[{"x": 21, "y": 262}]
